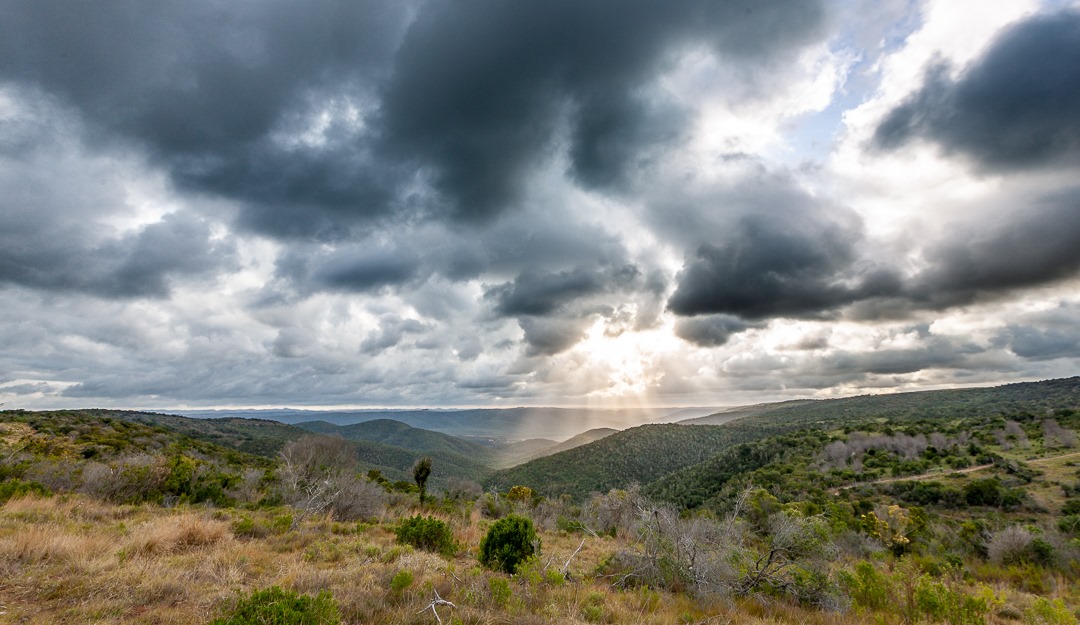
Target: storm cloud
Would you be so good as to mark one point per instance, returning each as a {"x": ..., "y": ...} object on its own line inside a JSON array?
[
  {"x": 467, "y": 202},
  {"x": 784, "y": 262},
  {"x": 1015, "y": 107}
]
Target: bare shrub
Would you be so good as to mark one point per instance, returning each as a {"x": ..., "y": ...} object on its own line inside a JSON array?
[
  {"x": 357, "y": 499},
  {"x": 313, "y": 476},
  {"x": 618, "y": 510},
  {"x": 129, "y": 479},
  {"x": 56, "y": 475},
  {"x": 705, "y": 557},
  {"x": 1054, "y": 435},
  {"x": 249, "y": 487},
  {"x": 1010, "y": 545},
  {"x": 462, "y": 489}
]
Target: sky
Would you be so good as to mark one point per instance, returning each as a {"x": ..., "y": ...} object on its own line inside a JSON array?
[{"x": 253, "y": 203}]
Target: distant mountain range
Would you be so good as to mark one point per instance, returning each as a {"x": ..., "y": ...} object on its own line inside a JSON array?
[{"x": 498, "y": 424}]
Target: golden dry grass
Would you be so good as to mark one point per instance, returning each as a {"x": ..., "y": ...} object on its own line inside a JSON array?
[{"x": 74, "y": 560}]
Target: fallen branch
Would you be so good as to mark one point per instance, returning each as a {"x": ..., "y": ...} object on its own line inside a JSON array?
[
  {"x": 566, "y": 566},
  {"x": 434, "y": 602}
]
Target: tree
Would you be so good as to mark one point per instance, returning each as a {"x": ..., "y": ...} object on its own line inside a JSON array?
[{"x": 421, "y": 469}]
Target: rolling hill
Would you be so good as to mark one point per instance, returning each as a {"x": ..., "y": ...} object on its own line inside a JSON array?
[
  {"x": 641, "y": 454},
  {"x": 650, "y": 453},
  {"x": 398, "y": 434}
]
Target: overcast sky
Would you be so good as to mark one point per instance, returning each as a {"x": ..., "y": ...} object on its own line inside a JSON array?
[{"x": 550, "y": 202}]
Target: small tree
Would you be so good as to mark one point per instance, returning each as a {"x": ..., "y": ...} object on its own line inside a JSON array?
[
  {"x": 420, "y": 471},
  {"x": 510, "y": 541}
]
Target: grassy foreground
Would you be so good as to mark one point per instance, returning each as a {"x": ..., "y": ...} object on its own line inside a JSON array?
[{"x": 72, "y": 559}]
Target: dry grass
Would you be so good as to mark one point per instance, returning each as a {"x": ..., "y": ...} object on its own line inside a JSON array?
[
  {"x": 174, "y": 534},
  {"x": 77, "y": 561}
]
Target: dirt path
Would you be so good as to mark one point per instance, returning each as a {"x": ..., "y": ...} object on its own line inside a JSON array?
[{"x": 926, "y": 476}]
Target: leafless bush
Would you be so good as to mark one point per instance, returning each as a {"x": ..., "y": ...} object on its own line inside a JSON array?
[
  {"x": 56, "y": 475},
  {"x": 462, "y": 489},
  {"x": 127, "y": 479},
  {"x": 314, "y": 474},
  {"x": 358, "y": 499},
  {"x": 1056, "y": 436},
  {"x": 707, "y": 557},
  {"x": 849, "y": 453},
  {"x": 248, "y": 488},
  {"x": 616, "y": 511},
  {"x": 1010, "y": 545}
]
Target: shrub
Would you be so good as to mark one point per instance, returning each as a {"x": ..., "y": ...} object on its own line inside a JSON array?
[
  {"x": 275, "y": 606},
  {"x": 508, "y": 543},
  {"x": 1046, "y": 612},
  {"x": 500, "y": 591},
  {"x": 14, "y": 489},
  {"x": 1016, "y": 544},
  {"x": 401, "y": 581},
  {"x": 427, "y": 533},
  {"x": 1070, "y": 524},
  {"x": 868, "y": 588}
]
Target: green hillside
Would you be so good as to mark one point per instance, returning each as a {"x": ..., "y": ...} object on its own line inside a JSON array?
[
  {"x": 643, "y": 455},
  {"x": 1030, "y": 397},
  {"x": 637, "y": 455},
  {"x": 255, "y": 436},
  {"x": 536, "y": 448},
  {"x": 398, "y": 434}
]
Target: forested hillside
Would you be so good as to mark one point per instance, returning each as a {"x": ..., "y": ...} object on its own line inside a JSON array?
[{"x": 637, "y": 455}]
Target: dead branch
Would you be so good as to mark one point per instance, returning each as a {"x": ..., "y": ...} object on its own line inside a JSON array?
[{"x": 434, "y": 602}]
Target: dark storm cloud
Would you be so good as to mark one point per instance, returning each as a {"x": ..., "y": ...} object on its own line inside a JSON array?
[
  {"x": 366, "y": 270},
  {"x": 320, "y": 117},
  {"x": 1043, "y": 343},
  {"x": 207, "y": 87},
  {"x": 812, "y": 261},
  {"x": 1018, "y": 106},
  {"x": 1031, "y": 247},
  {"x": 781, "y": 262},
  {"x": 711, "y": 330},
  {"x": 554, "y": 308},
  {"x": 480, "y": 87},
  {"x": 536, "y": 294}
]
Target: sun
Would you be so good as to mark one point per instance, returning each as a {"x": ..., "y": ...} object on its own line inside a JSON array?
[{"x": 624, "y": 364}]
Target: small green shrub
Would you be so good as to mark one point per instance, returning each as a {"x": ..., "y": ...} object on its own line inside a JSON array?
[
  {"x": 401, "y": 581},
  {"x": 427, "y": 533},
  {"x": 1070, "y": 524},
  {"x": 508, "y": 543},
  {"x": 500, "y": 591},
  {"x": 275, "y": 606},
  {"x": 868, "y": 587},
  {"x": 592, "y": 609}
]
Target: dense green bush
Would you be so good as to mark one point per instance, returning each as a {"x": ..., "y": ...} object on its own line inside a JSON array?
[
  {"x": 427, "y": 533},
  {"x": 18, "y": 488},
  {"x": 275, "y": 606},
  {"x": 508, "y": 543}
]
